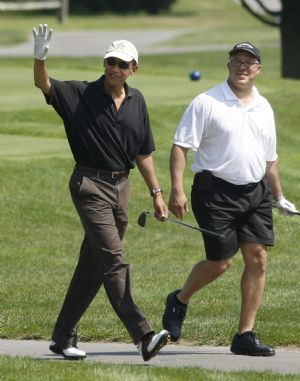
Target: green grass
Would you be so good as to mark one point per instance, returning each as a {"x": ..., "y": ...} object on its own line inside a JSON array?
[
  {"x": 22, "y": 369},
  {"x": 16, "y": 147},
  {"x": 41, "y": 233}
]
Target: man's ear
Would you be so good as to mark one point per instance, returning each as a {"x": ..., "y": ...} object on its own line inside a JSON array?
[
  {"x": 259, "y": 69},
  {"x": 135, "y": 68}
]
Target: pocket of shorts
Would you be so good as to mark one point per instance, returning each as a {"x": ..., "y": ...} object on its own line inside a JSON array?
[
  {"x": 203, "y": 181},
  {"x": 208, "y": 199},
  {"x": 200, "y": 197},
  {"x": 76, "y": 183}
]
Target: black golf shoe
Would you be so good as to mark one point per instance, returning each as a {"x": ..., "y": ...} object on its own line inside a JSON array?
[
  {"x": 151, "y": 344},
  {"x": 173, "y": 316},
  {"x": 248, "y": 344}
]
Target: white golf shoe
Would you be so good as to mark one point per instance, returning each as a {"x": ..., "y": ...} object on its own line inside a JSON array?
[
  {"x": 71, "y": 353},
  {"x": 152, "y": 344}
]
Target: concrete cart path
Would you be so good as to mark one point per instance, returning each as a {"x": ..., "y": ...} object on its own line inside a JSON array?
[
  {"x": 286, "y": 361},
  {"x": 81, "y": 43}
]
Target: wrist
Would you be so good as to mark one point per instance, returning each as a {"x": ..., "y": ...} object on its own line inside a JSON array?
[
  {"x": 177, "y": 189},
  {"x": 155, "y": 191},
  {"x": 278, "y": 198},
  {"x": 42, "y": 59}
]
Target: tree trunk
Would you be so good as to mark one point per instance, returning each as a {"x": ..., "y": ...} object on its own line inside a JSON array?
[{"x": 290, "y": 39}]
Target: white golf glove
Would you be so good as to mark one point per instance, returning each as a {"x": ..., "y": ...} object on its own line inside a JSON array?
[
  {"x": 41, "y": 41},
  {"x": 285, "y": 207}
]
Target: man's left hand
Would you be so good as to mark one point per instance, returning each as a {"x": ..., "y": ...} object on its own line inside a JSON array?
[{"x": 285, "y": 207}]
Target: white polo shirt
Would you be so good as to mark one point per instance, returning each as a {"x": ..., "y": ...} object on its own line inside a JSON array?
[{"x": 232, "y": 141}]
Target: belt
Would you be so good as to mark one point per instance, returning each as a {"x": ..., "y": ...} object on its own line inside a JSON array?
[
  {"x": 243, "y": 187},
  {"x": 101, "y": 172}
]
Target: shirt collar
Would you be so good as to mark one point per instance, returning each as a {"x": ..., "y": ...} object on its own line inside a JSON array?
[
  {"x": 230, "y": 96},
  {"x": 128, "y": 90},
  {"x": 228, "y": 93}
]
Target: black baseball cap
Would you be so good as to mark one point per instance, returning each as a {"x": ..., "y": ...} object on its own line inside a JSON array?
[{"x": 247, "y": 47}]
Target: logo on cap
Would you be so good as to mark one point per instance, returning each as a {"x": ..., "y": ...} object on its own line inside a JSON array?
[{"x": 243, "y": 45}]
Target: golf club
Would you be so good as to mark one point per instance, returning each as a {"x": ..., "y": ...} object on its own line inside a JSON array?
[{"x": 143, "y": 217}]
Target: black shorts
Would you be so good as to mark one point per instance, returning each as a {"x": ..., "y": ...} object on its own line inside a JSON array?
[{"x": 239, "y": 212}]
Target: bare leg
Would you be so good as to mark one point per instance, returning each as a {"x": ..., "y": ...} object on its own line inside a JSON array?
[
  {"x": 202, "y": 273},
  {"x": 252, "y": 283}
]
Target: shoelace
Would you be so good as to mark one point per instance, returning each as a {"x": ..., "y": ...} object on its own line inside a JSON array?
[
  {"x": 179, "y": 312},
  {"x": 255, "y": 339}
]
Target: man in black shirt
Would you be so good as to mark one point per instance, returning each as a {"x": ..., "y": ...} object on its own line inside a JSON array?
[{"x": 108, "y": 131}]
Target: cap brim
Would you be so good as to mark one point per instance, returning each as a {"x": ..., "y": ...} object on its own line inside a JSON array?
[
  {"x": 244, "y": 50},
  {"x": 120, "y": 55}
]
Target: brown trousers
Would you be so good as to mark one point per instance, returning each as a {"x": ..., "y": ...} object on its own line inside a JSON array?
[{"x": 102, "y": 205}]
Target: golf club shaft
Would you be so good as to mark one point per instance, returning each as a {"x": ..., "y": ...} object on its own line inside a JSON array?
[{"x": 191, "y": 226}]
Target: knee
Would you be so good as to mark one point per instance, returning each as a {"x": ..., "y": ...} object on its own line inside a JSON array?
[
  {"x": 220, "y": 267},
  {"x": 258, "y": 261}
]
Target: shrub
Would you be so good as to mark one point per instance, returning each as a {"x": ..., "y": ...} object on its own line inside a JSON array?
[{"x": 120, "y": 6}]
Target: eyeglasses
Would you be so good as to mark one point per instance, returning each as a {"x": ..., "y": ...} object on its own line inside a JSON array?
[
  {"x": 247, "y": 64},
  {"x": 123, "y": 65}
]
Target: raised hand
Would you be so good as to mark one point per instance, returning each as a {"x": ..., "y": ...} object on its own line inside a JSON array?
[{"x": 41, "y": 41}]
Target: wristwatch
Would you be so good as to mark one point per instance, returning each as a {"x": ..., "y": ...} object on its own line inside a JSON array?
[{"x": 154, "y": 191}]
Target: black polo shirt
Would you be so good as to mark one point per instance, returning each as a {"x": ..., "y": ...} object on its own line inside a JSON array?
[{"x": 99, "y": 135}]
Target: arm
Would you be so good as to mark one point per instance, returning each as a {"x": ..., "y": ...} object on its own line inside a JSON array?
[
  {"x": 272, "y": 173},
  {"x": 284, "y": 206},
  {"x": 41, "y": 77},
  {"x": 178, "y": 201},
  {"x": 146, "y": 167}
]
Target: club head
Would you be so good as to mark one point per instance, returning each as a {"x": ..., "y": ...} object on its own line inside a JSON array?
[{"x": 142, "y": 219}]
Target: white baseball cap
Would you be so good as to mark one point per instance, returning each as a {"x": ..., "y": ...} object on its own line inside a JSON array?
[{"x": 122, "y": 49}]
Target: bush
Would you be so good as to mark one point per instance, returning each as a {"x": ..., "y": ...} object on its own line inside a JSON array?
[{"x": 120, "y": 6}]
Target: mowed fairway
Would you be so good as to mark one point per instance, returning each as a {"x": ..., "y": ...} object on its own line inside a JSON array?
[
  {"x": 36, "y": 163},
  {"x": 15, "y": 147},
  {"x": 41, "y": 235}
]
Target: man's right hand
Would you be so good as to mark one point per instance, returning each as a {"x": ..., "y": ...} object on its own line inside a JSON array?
[
  {"x": 41, "y": 41},
  {"x": 178, "y": 204}
]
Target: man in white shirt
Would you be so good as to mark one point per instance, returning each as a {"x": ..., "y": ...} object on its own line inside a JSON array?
[{"x": 231, "y": 129}]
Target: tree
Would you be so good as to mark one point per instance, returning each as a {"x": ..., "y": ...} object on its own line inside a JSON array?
[
  {"x": 121, "y": 6},
  {"x": 287, "y": 19}
]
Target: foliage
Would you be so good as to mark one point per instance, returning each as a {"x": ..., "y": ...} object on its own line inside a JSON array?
[
  {"x": 120, "y": 6},
  {"x": 198, "y": 23}
]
